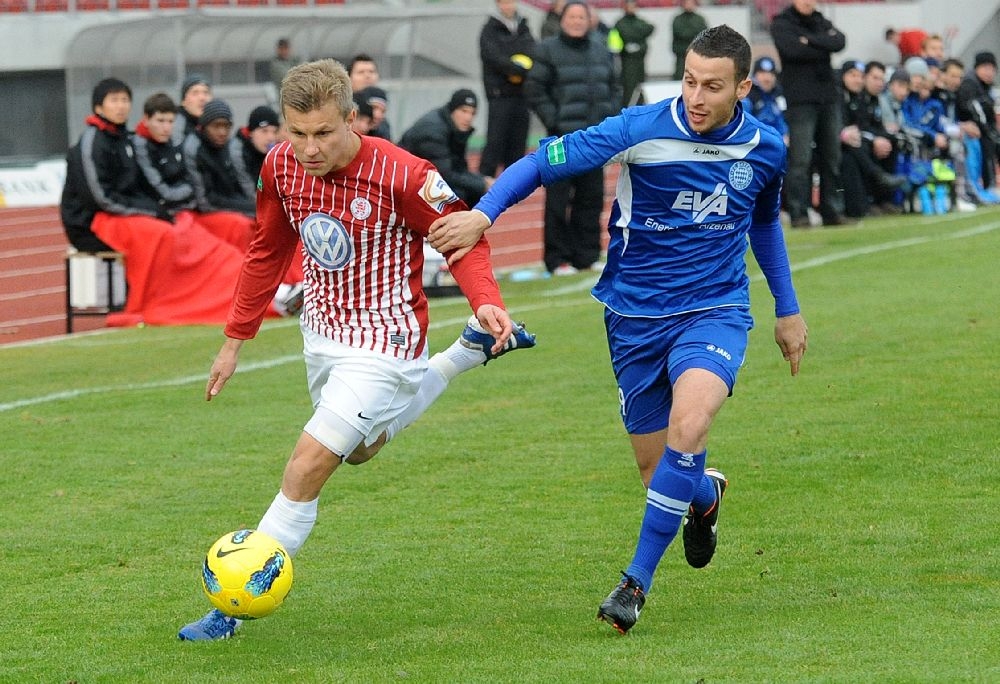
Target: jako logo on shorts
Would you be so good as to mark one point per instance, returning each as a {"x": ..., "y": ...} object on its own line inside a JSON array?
[{"x": 327, "y": 241}]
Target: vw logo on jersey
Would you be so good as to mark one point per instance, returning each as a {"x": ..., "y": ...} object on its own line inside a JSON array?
[
  {"x": 327, "y": 241},
  {"x": 740, "y": 175}
]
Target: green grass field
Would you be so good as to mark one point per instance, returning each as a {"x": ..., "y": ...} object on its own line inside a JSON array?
[{"x": 857, "y": 543}]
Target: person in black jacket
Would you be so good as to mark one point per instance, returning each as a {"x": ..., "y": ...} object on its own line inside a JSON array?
[
  {"x": 210, "y": 165},
  {"x": 974, "y": 102},
  {"x": 251, "y": 144},
  {"x": 506, "y": 47},
  {"x": 572, "y": 85},
  {"x": 805, "y": 41},
  {"x": 196, "y": 92},
  {"x": 441, "y": 136},
  {"x": 102, "y": 176},
  {"x": 161, "y": 161}
]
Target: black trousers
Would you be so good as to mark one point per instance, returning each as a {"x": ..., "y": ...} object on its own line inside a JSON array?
[
  {"x": 506, "y": 133},
  {"x": 812, "y": 125},
  {"x": 573, "y": 220}
]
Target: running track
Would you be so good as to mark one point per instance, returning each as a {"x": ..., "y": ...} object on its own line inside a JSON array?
[{"x": 33, "y": 245}]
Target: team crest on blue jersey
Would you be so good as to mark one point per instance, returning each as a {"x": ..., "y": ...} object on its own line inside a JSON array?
[
  {"x": 436, "y": 192},
  {"x": 327, "y": 241},
  {"x": 740, "y": 175}
]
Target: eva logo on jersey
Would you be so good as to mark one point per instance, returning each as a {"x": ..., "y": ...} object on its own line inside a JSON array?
[
  {"x": 327, "y": 241},
  {"x": 436, "y": 192},
  {"x": 701, "y": 205}
]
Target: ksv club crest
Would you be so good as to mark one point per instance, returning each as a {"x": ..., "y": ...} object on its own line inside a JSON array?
[
  {"x": 361, "y": 208},
  {"x": 740, "y": 175},
  {"x": 327, "y": 241}
]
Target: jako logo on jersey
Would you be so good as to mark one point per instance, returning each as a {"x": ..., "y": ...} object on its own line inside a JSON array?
[
  {"x": 327, "y": 241},
  {"x": 260, "y": 183},
  {"x": 436, "y": 192},
  {"x": 701, "y": 206}
]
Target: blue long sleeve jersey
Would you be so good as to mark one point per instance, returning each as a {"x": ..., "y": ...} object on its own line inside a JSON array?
[{"x": 684, "y": 206}]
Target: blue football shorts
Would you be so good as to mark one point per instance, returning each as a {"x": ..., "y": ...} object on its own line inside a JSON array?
[{"x": 649, "y": 354}]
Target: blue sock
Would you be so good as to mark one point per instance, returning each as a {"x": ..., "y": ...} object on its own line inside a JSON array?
[
  {"x": 704, "y": 496},
  {"x": 674, "y": 483}
]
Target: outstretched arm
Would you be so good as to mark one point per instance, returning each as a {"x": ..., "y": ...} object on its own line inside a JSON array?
[{"x": 460, "y": 230}]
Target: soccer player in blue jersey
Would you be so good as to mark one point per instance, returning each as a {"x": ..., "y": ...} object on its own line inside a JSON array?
[{"x": 699, "y": 175}]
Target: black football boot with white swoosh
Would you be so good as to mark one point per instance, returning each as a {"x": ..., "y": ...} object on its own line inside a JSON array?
[
  {"x": 701, "y": 529},
  {"x": 622, "y": 606}
]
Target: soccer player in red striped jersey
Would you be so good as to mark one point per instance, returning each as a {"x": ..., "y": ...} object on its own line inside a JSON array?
[{"x": 360, "y": 208}]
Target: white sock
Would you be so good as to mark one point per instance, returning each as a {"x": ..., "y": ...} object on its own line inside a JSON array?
[
  {"x": 458, "y": 358},
  {"x": 434, "y": 383},
  {"x": 290, "y": 522}
]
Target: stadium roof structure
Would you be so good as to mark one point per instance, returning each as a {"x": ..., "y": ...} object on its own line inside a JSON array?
[{"x": 232, "y": 47}]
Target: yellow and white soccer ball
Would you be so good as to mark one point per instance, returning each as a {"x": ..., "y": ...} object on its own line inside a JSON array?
[{"x": 247, "y": 574}]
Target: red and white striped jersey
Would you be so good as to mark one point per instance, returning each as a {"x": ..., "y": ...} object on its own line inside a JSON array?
[{"x": 360, "y": 232}]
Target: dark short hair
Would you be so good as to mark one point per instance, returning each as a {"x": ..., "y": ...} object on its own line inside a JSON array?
[
  {"x": 158, "y": 102},
  {"x": 872, "y": 65},
  {"x": 952, "y": 61},
  {"x": 724, "y": 41},
  {"x": 106, "y": 87},
  {"x": 360, "y": 57}
]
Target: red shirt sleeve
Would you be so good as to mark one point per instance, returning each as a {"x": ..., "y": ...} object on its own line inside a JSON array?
[{"x": 274, "y": 244}]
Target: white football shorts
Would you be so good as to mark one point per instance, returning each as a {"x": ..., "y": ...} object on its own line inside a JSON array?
[{"x": 356, "y": 393}]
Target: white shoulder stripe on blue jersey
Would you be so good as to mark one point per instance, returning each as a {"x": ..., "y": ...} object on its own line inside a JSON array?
[{"x": 667, "y": 150}]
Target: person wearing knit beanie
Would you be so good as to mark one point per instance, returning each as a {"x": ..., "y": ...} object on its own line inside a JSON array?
[
  {"x": 463, "y": 97},
  {"x": 214, "y": 110},
  {"x": 196, "y": 92},
  {"x": 263, "y": 116}
]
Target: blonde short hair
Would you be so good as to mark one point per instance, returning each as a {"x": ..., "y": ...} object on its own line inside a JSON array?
[{"x": 310, "y": 86}]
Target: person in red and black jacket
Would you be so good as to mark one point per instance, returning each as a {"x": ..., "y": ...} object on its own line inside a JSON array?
[{"x": 101, "y": 170}]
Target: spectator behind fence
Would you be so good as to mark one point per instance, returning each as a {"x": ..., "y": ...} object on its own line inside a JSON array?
[
  {"x": 177, "y": 272},
  {"x": 441, "y": 136},
  {"x": 685, "y": 26},
  {"x": 251, "y": 144},
  {"x": 196, "y": 92},
  {"x": 805, "y": 41},
  {"x": 573, "y": 85},
  {"x": 632, "y": 33},
  {"x": 766, "y": 101},
  {"x": 506, "y": 47}
]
